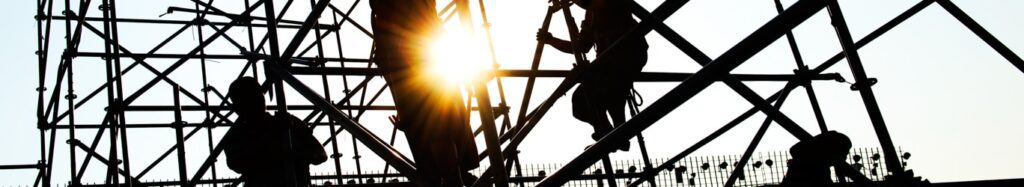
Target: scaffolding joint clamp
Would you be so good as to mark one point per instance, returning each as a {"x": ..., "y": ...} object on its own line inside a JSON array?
[
  {"x": 43, "y": 125},
  {"x": 201, "y": 21},
  {"x": 241, "y": 19},
  {"x": 208, "y": 123},
  {"x": 864, "y": 84},
  {"x": 178, "y": 124},
  {"x": 803, "y": 76},
  {"x": 116, "y": 107}
]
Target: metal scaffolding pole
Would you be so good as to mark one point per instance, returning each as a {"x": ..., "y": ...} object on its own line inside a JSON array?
[
  {"x": 71, "y": 42},
  {"x": 863, "y": 85},
  {"x": 179, "y": 138},
  {"x": 802, "y": 71}
]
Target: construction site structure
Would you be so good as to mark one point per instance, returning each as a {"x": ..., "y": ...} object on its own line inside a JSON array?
[{"x": 292, "y": 56}]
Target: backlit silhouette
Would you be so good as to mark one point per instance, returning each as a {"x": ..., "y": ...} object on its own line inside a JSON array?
[
  {"x": 432, "y": 115},
  {"x": 606, "y": 85},
  {"x": 257, "y": 146},
  {"x": 813, "y": 158}
]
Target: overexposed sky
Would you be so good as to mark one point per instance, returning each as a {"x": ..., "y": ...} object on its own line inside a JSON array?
[{"x": 947, "y": 97}]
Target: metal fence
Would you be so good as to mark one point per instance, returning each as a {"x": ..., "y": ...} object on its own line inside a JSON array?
[{"x": 764, "y": 168}]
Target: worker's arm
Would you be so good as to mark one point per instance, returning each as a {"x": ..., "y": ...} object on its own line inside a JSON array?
[
  {"x": 235, "y": 151},
  {"x": 585, "y": 40}
]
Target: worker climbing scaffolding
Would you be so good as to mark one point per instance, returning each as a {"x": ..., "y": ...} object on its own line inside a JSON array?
[{"x": 606, "y": 84}]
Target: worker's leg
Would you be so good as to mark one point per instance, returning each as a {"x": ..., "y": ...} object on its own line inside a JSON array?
[
  {"x": 597, "y": 110},
  {"x": 422, "y": 154},
  {"x": 617, "y": 110},
  {"x": 447, "y": 162}
]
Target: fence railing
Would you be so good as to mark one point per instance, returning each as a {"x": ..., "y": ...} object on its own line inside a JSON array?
[{"x": 764, "y": 168}]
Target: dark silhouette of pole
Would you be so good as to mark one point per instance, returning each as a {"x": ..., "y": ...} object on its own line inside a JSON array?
[{"x": 863, "y": 85}]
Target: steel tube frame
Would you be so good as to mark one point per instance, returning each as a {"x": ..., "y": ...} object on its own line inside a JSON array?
[
  {"x": 687, "y": 89},
  {"x": 115, "y": 118},
  {"x": 75, "y": 143},
  {"x": 145, "y": 65}
]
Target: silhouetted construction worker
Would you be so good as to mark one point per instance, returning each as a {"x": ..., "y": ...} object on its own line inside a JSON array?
[
  {"x": 813, "y": 158},
  {"x": 432, "y": 114},
  {"x": 257, "y": 145},
  {"x": 605, "y": 85}
]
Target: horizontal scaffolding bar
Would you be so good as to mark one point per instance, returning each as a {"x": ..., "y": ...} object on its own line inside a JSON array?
[
  {"x": 209, "y": 56},
  {"x": 644, "y": 77},
  {"x": 180, "y": 22},
  {"x": 22, "y": 166},
  {"x": 156, "y": 125},
  {"x": 155, "y": 108},
  {"x": 394, "y": 175}
]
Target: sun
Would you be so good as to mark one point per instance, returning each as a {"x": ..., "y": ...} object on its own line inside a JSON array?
[{"x": 457, "y": 56}]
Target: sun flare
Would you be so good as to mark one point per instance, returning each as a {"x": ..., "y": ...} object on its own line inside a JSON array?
[{"x": 457, "y": 56}]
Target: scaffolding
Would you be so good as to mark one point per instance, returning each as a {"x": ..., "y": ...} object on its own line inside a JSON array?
[{"x": 306, "y": 55}]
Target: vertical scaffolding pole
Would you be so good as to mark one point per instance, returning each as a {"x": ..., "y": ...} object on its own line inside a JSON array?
[
  {"x": 491, "y": 136},
  {"x": 70, "y": 92},
  {"x": 179, "y": 137},
  {"x": 503, "y": 104},
  {"x": 43, "y": 53},
  {"x": 327, "y": 93},
  {"x": 108, "y": 48},
  {"x": 252, "y": 45},
  {"x": 633, "y": 109},
  {"x": 802, "y": 71},
  {"x": 609, "y": 171},
  {"x": 282, "y": 104},
  {"x": 119, "y": 115},
  {"x": 206, "y": 85},
  {"x": 863, "y": 85}
]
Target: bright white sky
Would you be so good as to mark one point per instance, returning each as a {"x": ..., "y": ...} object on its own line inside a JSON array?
[{"x": 948, "y": 98}]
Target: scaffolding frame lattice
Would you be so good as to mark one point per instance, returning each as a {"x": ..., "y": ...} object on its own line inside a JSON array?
[{"x": 305, "y": 55}]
